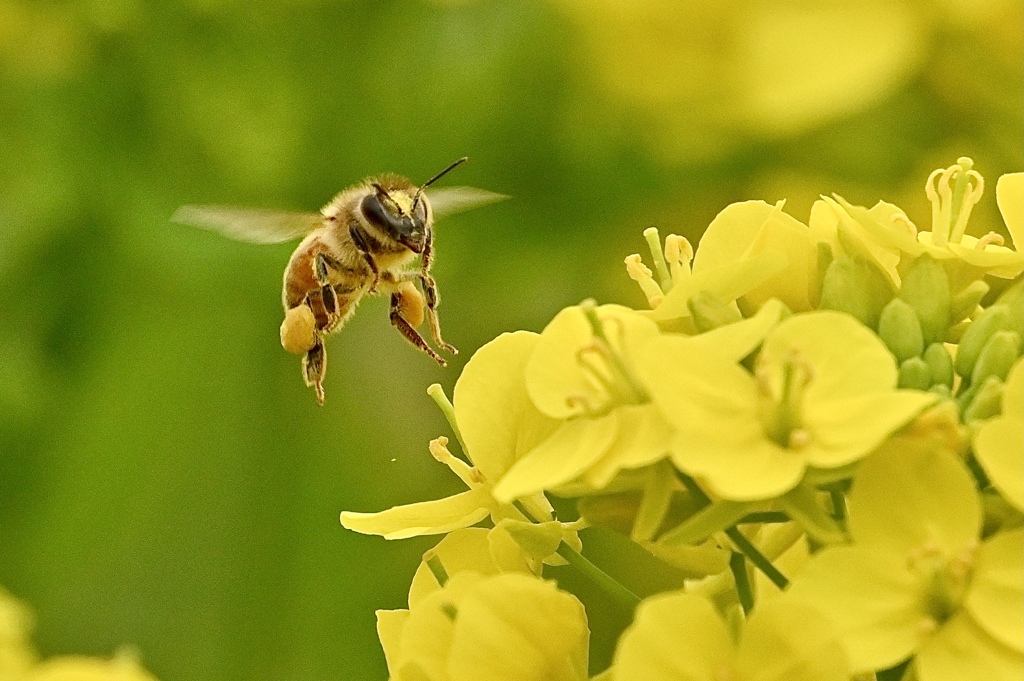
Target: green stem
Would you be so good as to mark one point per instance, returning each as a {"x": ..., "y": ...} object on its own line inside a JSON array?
[
  {"x": 436, "y": 393},
  {"x": 763, "y": 517},
  {"x": 436, "y": 568},
  {"x": 693, "y": 488},
  {"x": 602, "y": 579},
  {"x": 757, "y": 558},
  {"x": 606, "y": 582},
  {"x": 838, "y": 505},
  {"x": 738, "y": 565}
]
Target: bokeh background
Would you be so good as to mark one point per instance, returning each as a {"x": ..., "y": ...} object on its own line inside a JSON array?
[{"x": 166, "y": 480}]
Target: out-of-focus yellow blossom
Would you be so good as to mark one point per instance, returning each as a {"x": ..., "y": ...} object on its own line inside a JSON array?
[
  {"x": 499, "y": 425},
  {"x": 917, "y": 580},
  {"x": 999, "y": 442},
  {"x": 506, "y": 626},
  {"x": 710, "y": 73},
  {"x": 78, "y": 668},
  {"x": 680, "y": 637},
  {"x": 744, "y": 231},
  {"x": 16, "y": 653},
  {"x": 822, "y": 395},
  {"x": 580, "y": 371}
]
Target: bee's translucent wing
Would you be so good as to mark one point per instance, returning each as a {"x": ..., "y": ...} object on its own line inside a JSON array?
[
  {"x": 254, "y": 225},
  {"x": 449, "y": 200}
]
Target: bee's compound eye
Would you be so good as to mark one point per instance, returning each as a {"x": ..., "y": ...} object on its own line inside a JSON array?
[
  {"x": 420, "y": 211},
  {"x": 298, "y": 330},
  {"x": 375, "y": 212}
]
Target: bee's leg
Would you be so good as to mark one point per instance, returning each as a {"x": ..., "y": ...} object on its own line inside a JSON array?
[
  {"x": 322, "y": 263},
  {"x": 411, "y": 334},
  {"x": 431, "y": 294},
  {"x": 432, "y": 299},
  {"x": 360, "y": 242},
  {"x": 314, "y": 368}
]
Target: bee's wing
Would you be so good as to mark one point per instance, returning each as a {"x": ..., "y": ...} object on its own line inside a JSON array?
[
  {"x": 449, "y": 200},
  {"x": 254, "y": 225}
]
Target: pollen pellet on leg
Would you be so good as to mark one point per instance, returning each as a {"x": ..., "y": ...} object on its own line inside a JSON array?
[
  {"x": 410, "y": 303},
  {"x": 297, "y": 330}
]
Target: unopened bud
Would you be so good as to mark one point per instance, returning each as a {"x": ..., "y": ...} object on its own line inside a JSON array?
[
  {"x": 966, "y": 302},
  {"x": 710, "y": 312},
  {"x": 1013, "y": 299},
  {"x": 940, "y": 364},
  {"x": 926, "y": 289},
  {"x": 998, "y": 355},
  {"x": 856, "y": 288},
  {"x": 915, "y": 374},
  {"x": 985, "y": 400},
  {"x": 995, "y": 318},
  {"x": 900, "y": 330}
]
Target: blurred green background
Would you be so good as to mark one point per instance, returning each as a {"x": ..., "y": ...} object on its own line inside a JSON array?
[{"x": 166, "y": 480}]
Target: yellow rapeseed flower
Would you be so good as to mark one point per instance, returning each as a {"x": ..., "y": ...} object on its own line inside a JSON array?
[{"x": 822, "y": 395}]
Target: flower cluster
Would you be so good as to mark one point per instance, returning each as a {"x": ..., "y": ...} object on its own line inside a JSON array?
[
  {"x": 19, "y": 661},
  {"x": 818, "y": 428}
]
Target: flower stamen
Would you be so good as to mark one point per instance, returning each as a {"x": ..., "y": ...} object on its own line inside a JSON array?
[{"x": 953, "y": 196}]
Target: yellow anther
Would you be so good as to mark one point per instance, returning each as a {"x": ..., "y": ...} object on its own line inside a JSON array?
[
  {"x": 469, "y": 475},
  {"x": 643, "y": 276},
  {"x": 990, "y": 238},
  {"x": 679, "y": 255},
  {"x": 953, "y": 192}
]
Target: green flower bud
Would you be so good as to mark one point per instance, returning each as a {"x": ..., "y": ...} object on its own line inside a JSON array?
[
  {"x": 856, "y": 288},
  {"x": 998, "y": 355},
  {"x": 966, "y": 302},
  {"x": 1013, "y": 299},
  {"x": 900, "y": 329},
  {"x": 940, "y": 364},
  {"x": 926, "y": 289},
  {"x": 985, "y": 400},
  {"x": 710, "y": 312},
  {"x": 915, "y": 374},
  {"x": 995, "y": 318}
]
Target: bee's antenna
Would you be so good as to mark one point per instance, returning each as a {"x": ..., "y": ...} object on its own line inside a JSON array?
[{"x": 435, "y": 178}]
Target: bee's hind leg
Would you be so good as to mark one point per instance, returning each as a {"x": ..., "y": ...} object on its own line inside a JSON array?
[
  {"x": 410, "y": 333},
  {"x": 314, "y": 368}
]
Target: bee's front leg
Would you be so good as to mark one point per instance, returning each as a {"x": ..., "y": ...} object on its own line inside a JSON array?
[
  {"x": 361, "y": 246},
  {"x": 410, "y": 333},
  {"x": 430, "y": 292}
]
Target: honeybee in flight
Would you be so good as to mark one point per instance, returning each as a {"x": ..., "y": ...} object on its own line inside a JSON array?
[{"x": 360, "y": 243}]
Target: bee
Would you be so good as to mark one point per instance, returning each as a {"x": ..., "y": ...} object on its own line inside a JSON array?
[{"x": 361, "y": 243}]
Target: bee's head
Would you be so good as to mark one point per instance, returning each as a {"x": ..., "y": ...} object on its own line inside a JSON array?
[{"x": 399, "y": 214}]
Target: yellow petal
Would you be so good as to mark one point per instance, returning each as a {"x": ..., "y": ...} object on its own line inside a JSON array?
[
  {"x": 730, "y": 233},
  {"x": 938, "y": 505},
  {"x": 518, "y": 628},
  {"x": 786, "y": 640},
  {"x": 554, "y": 374},
  {"x": 643, "y": 437},
  {"x": 498, "y": 421},
  {"x": 674, "y": 637},
  {"x": 960, "y": 650},
  {"x": 81, "y": 668},
  {"x": 463, "y": 550},
  {"x": 999, "y": 447},
  {"x": 389, "y": 630},
  {"x": 1010, "y": 199},
  {"x": 425, "y": 517},
  {"x": 996, "y": 592},
  {"x": 569, "y": 451},
  {"x": 846, "y": 358}
]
